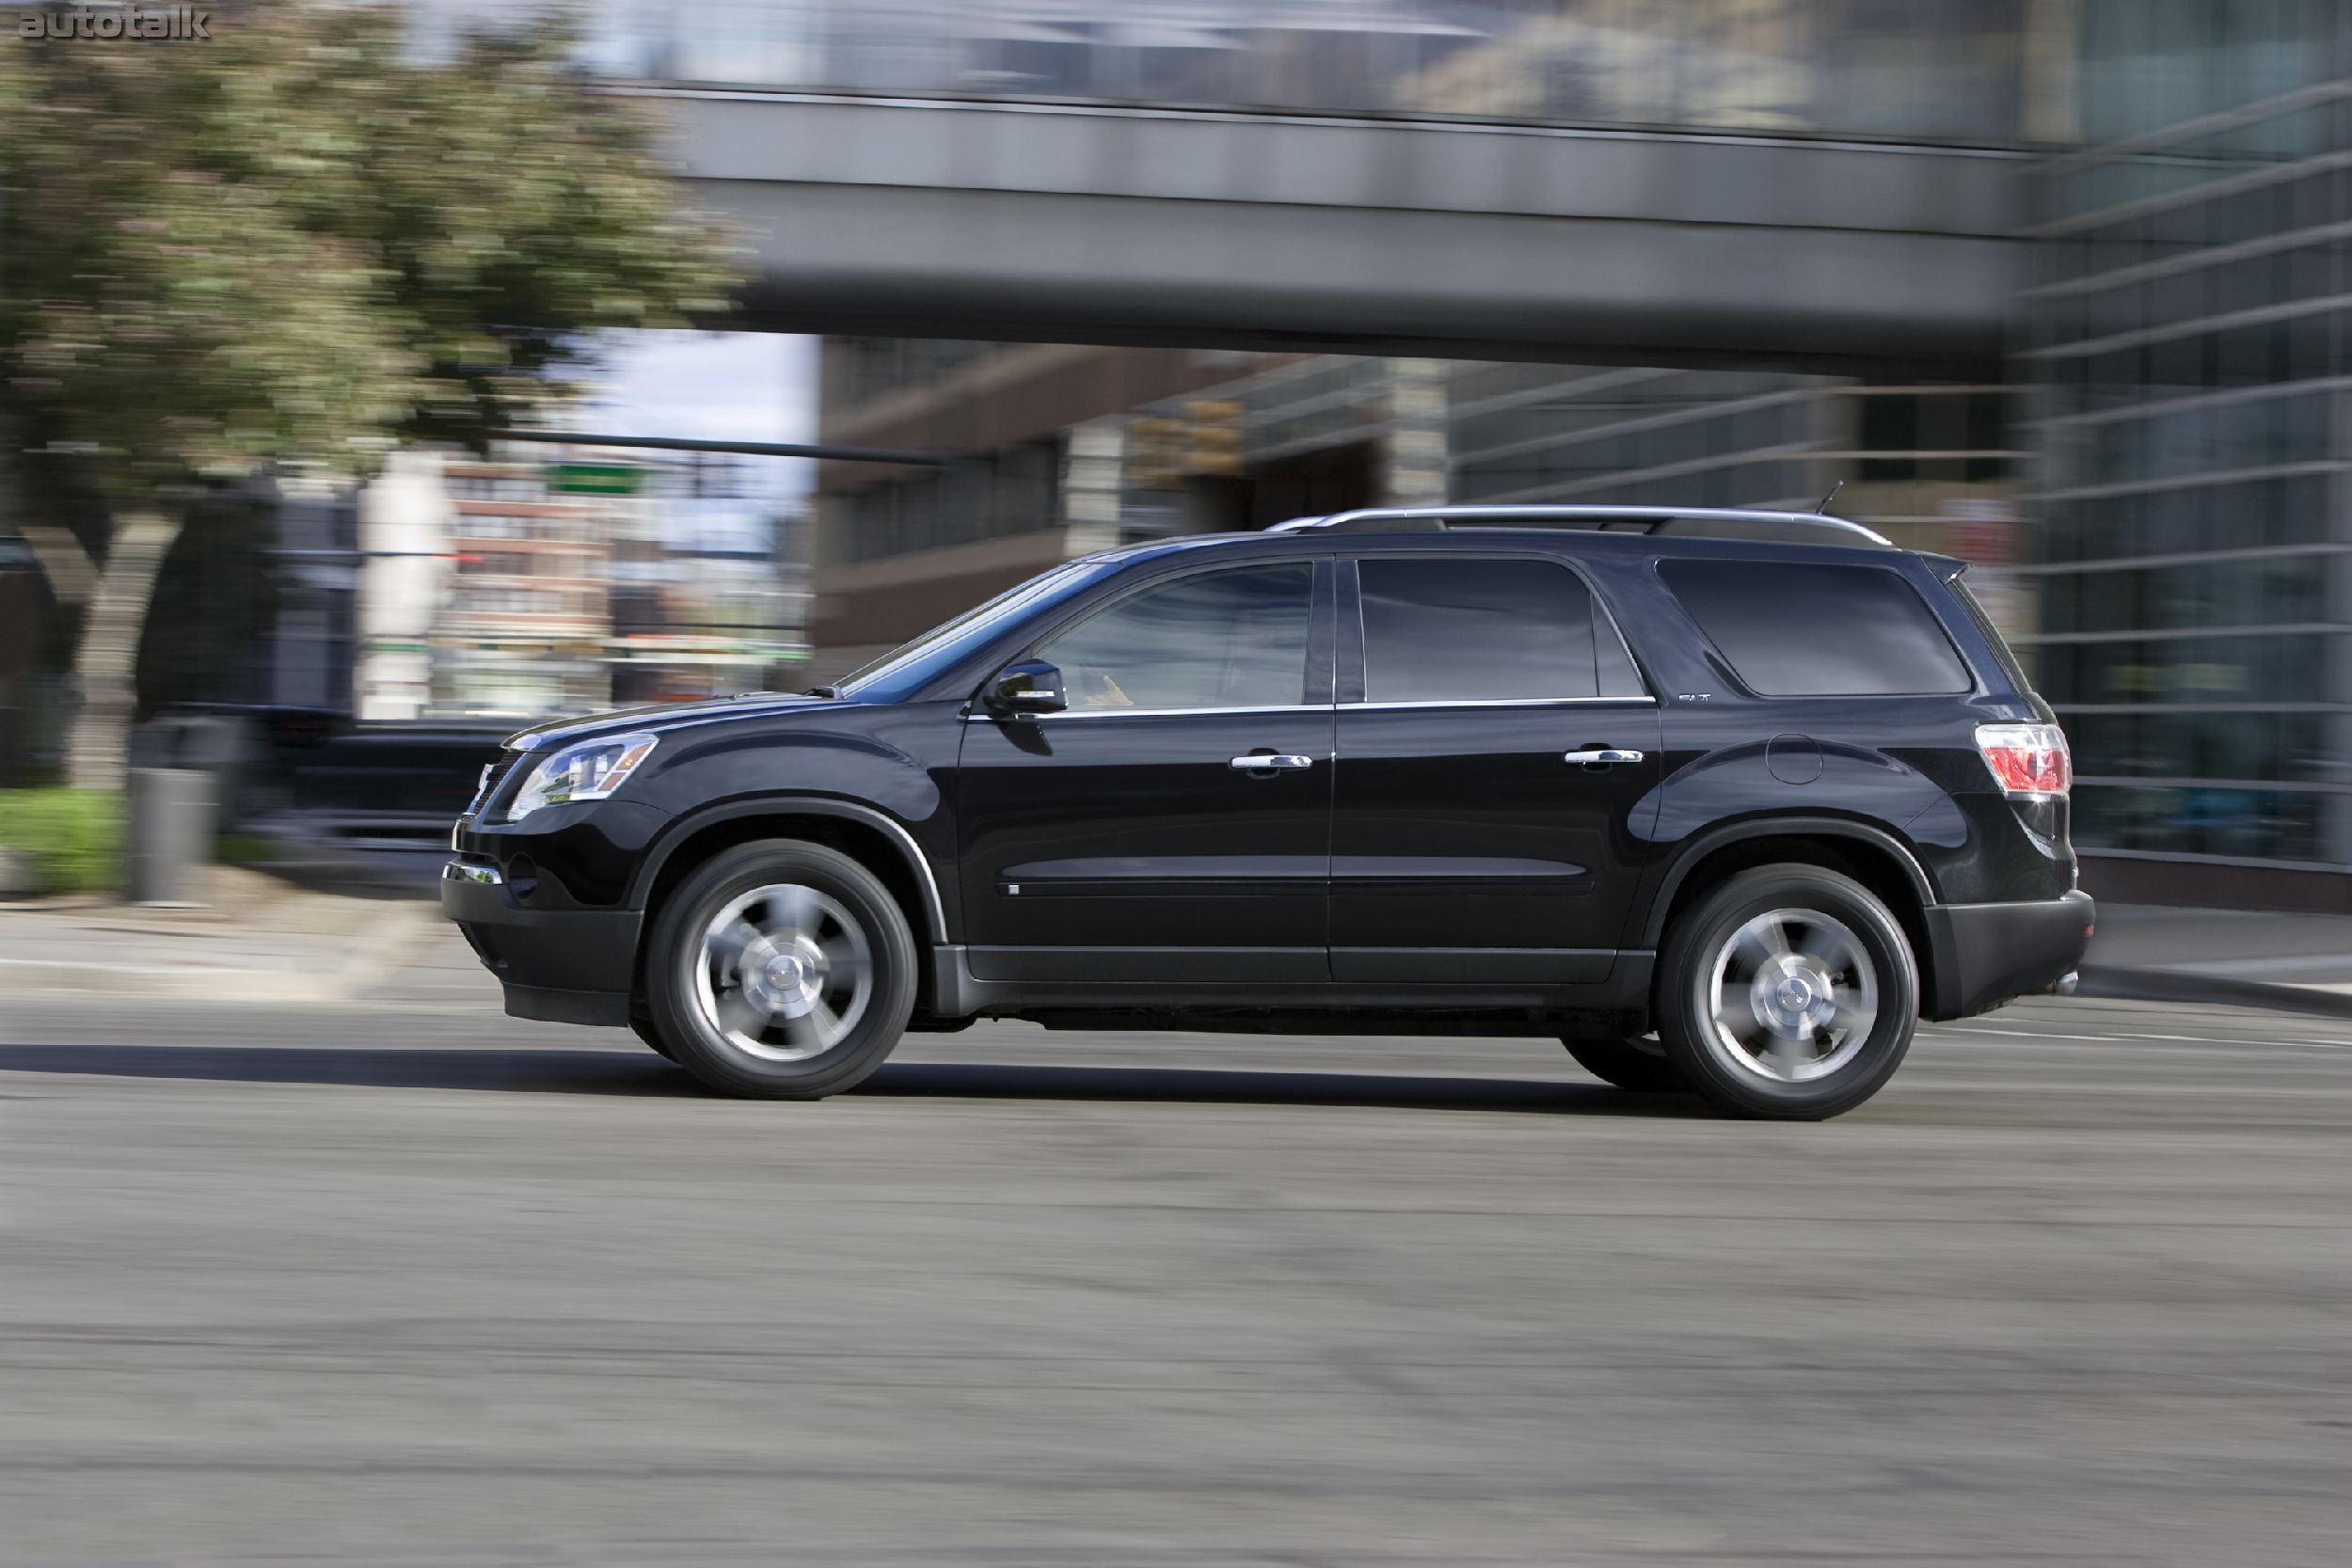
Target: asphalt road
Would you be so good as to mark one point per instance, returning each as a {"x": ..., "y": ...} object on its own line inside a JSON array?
[{"x": 428, "y": 1286}]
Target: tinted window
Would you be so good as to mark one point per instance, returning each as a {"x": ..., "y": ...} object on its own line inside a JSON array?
[
  {"x": 1235, "y": 639},
  {"x": 1439, "y": 629},
  {"x": 1793, "y": 630}
]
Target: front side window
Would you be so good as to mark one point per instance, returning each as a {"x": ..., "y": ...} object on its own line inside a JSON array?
[
  {"x": 1793, "y": 630},
  {"x": 1231, "y": 638},
  {"x": 1439, "y": 629}
]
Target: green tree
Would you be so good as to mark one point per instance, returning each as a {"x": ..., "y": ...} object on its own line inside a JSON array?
[{"x": 290, "y": 247}]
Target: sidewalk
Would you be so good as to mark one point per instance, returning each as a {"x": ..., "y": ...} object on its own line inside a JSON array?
[
  {"x": 260, "y": 938},
  {"x": 254, "y": 938},
  {"x": 2295, "y": 962}
]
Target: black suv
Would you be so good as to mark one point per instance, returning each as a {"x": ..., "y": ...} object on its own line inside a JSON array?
[{"x": 1724, "y": 800}]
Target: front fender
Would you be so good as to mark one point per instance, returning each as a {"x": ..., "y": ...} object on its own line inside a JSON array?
[{"x": 917, "y": 859}]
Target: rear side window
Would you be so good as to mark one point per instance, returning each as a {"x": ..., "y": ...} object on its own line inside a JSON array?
[
  {"x": 1454, "y": 629},
  {"x": 1795, "y": 630}
]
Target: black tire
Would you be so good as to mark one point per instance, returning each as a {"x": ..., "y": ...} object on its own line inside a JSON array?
[
  {"x": 1625, "y": 1065},
  {"x": 1826, "y": 911},
  {"x": 641, "y": 1025},
  {"x": 829, "y": 897}
]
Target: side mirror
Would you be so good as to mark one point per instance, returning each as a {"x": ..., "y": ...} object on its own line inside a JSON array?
[{"x": 1030, "y": 687}]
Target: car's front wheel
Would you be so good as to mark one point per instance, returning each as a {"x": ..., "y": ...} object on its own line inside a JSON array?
[
  {"x": 780, "y": 970},
  {"x": 1787, "y": 992}
]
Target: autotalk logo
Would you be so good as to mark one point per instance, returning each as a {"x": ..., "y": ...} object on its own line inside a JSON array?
[{"x": 119, "y": 21}]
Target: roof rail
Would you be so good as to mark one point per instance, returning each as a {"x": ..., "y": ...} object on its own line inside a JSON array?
[{"x": 1702, "y": 522}]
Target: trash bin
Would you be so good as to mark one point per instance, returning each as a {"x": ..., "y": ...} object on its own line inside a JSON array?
[
  {"x": 168, "y": 832},
  {"x": 218, "y": 744}
]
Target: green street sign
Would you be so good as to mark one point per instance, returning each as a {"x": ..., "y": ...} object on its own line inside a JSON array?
[{"x": 595, "y": 479}]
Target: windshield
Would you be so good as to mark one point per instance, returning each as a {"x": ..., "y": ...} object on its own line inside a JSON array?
[{"x": 907, "y": 667}]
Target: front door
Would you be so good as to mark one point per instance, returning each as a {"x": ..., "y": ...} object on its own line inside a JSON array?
[
  {"x": 1494, "y": 743},
  {"x": 1136, "y": 835}
]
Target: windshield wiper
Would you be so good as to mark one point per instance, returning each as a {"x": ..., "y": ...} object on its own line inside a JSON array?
[{"x": 822, "y": 692}]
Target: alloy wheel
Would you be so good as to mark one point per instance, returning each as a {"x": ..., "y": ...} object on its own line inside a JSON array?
[
  {"x": 783, "y": 973},
  {"x": 1792, "y": 996}
]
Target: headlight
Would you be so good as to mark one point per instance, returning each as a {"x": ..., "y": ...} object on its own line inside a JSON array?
[{"x": 588, "y": 771}]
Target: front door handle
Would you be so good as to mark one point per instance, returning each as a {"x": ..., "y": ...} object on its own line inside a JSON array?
[
  {"x": 1602, "y": 756},
  {"x": 1269, "y": 759}
]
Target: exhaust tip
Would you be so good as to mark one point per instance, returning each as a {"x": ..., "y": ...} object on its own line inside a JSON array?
[{"x": 2065, "y": 984}]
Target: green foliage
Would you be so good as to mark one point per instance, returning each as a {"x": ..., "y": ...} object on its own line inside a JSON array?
[
  {"x": 295, "y": 243},
  {"x": 73, "y": 837},
  {"x": 246, "y": 849}
]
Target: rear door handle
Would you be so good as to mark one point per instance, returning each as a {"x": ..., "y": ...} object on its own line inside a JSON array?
[
  {"x": 1269, "y": 759},
  {"x": 1602, "y": 756}
]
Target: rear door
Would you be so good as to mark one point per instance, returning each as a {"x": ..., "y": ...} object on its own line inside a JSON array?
[{"x": 1494, "y": 739}]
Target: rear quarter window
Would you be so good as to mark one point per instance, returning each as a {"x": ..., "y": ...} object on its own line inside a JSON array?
[{"x": 1802, "y": 629}]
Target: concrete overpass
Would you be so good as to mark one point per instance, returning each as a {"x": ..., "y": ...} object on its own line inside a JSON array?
[{"x": 1098, "y": 224}]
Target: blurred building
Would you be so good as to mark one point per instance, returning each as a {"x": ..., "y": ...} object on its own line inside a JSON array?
[
  {"x": 556, "y": 579},
  {"x": 1939, "y": 69},
  {"x": 709, "y": 590},
  {"x": 2188, "y": 333},
  {"x": 524, "y": 626},
  {"x": 406, "y": 520},
  {"x": 1060, "y": 450}
]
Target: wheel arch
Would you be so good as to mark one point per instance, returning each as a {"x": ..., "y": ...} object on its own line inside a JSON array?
[
  {"x": 880, "y": 842},
  {"x": 1869, "y": 855}
]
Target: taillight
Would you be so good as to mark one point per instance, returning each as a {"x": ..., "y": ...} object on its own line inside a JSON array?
[{"x": 2026, "y": 759}]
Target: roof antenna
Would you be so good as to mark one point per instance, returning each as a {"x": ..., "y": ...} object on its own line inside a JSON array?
[{"x": 1822, "y": 510}]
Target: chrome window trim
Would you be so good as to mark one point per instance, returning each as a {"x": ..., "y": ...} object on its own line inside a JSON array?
[
  {"x": 984, "y": 717},
  {"x": 1646, "y": 700},
  {"x": 981, "y": 715}
]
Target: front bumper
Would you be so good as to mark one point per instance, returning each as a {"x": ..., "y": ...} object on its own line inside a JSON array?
[
  {"x": 1983, "y": 955},
  {"x": 566, "y": 966}
]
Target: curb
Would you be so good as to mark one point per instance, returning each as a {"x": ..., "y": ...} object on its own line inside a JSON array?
[{"x": 2119, "y": 984}]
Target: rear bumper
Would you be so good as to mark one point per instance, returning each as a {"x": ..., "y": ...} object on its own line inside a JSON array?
[
  {"x": 566, "y": 966},
  {"x": 1983, "y": 955}
]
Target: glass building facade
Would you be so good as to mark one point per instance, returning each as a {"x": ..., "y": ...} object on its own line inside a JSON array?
[
  {"x": 2189, "y": 344},
  {"x": 1936, "y": 70}
]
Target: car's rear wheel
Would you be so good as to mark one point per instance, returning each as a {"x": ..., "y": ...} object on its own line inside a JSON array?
[
  {"x": 780, "y": 970},
  {"x": 1789, "y": 993},
  {"x": 1626, "y": 1064}
]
